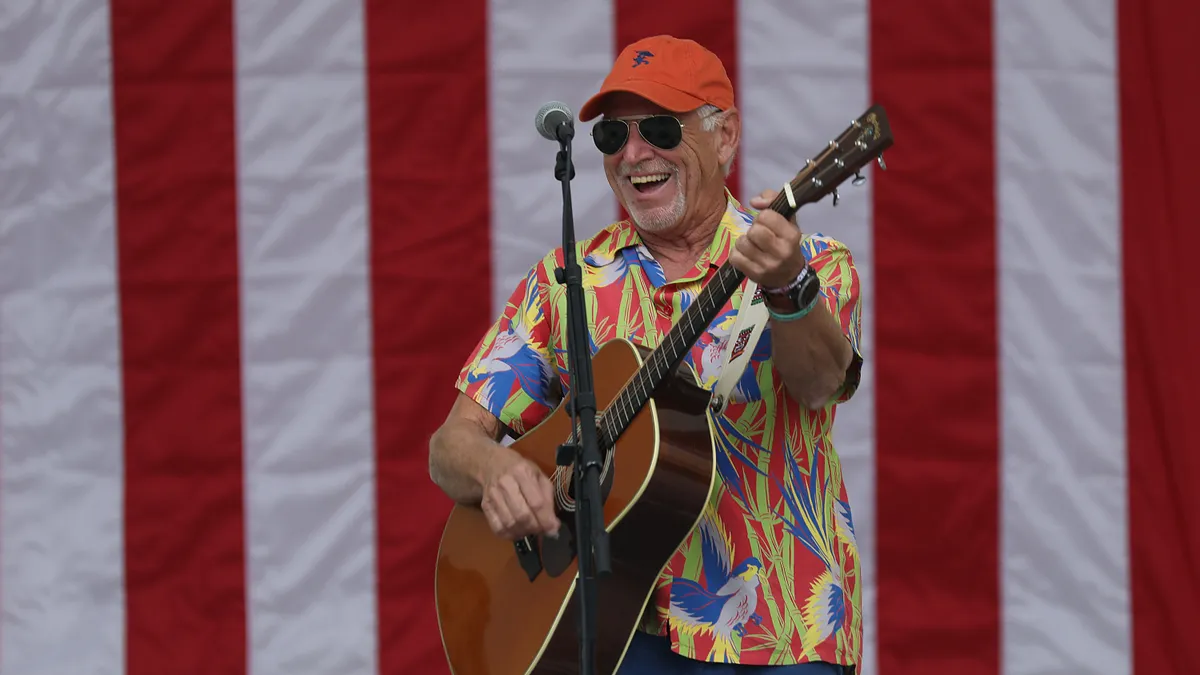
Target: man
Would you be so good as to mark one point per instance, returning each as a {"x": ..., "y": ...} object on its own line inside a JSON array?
[{"x": 771, "y": 576}]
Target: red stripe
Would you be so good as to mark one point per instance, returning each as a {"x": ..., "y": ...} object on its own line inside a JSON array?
[
  {"x": 937, "y": 478},
  {"x": 712, "y": 24},
  {"x": 173, "y": 90},
  {"x": 430, "y": 277},
  {"x": 1159, "y": 81}
]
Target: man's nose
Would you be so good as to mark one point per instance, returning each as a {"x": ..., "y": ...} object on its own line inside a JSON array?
[{"x": 636, "y": 148}]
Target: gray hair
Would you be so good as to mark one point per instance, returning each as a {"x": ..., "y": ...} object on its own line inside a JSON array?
[{"x": 710, "y": 117}]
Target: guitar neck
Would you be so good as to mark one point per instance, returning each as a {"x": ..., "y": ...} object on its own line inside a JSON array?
[
  {"x": 665, "y": 358},
  {"x": 863, "y": 141}
]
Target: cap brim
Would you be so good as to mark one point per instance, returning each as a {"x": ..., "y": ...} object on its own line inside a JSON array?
[{"x": 661, "y": 95}]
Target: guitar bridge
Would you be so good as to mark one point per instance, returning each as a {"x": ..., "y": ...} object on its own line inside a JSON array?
[{"x": 528, "y": 556}]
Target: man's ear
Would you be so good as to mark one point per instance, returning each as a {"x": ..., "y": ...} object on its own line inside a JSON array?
[{"x": 729, "y": 135}]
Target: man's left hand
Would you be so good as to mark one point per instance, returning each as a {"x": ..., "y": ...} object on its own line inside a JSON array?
[{"x": 769, "y": 253}]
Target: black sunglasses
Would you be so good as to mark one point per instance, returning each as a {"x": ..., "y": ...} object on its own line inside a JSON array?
[{"x": 662, "y": 131}]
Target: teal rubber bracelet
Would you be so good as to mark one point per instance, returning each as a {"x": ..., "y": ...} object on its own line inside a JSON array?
[{"x": 798, "y": 314}]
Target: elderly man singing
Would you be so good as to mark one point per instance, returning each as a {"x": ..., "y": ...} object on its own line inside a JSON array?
[{"x": 770, "y": 576}]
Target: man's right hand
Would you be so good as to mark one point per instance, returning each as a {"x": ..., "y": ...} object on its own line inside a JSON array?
[{"x": 518, "y": 498}]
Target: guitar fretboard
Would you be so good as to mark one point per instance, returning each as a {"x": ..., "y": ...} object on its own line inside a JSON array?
[{"x": 667, "y": 355}]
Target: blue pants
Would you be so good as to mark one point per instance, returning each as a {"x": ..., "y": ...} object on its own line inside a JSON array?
[{"x": 652, "y": 655}]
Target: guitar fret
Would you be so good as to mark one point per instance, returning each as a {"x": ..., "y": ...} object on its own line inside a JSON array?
[{"x": 626, "y": 404}]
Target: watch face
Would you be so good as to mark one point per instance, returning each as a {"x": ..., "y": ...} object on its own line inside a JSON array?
[{"x": 808, "y": 289}]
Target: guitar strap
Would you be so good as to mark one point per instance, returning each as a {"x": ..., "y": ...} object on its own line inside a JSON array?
[{"x": 747, "y": 328}]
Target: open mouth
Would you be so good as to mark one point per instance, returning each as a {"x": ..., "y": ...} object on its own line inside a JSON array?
[{"x": 650, "y": 183}]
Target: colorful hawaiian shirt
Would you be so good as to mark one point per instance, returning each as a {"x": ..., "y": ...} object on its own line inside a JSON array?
[{"x": 771, "y": 575}]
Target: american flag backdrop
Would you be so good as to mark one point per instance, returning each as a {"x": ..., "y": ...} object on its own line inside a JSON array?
[{"x": 246, "y": 245}]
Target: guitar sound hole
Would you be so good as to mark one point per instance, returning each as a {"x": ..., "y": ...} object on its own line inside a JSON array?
[{"x": 557, "y": 554}]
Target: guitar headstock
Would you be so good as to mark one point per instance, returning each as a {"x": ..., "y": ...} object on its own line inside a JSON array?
[{"x": 860, "y": 144}]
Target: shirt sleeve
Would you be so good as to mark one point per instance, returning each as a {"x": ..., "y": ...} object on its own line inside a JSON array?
[
  {"x": 840, "y": 291},
  {"x": 509, "y": 372}
]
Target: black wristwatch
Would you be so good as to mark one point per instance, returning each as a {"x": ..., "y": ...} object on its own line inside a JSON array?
[{"x": 799, "y": 295}]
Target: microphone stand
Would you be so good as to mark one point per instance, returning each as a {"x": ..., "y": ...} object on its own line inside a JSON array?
[{"x": 583, "y": 448}]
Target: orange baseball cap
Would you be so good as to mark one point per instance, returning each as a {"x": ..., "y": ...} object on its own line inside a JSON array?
[{"x": 677, "y": 74}]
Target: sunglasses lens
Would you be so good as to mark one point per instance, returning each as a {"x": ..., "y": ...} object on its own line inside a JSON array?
[
  {"x": 663, "y": 131},
  {"x": 610, "y": 135}
]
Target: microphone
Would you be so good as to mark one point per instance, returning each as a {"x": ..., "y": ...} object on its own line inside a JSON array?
[{"x": 554, "y": 122}]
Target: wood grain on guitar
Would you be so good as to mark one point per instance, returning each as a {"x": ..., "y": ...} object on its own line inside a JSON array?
[{"x": 497, "y": 617}]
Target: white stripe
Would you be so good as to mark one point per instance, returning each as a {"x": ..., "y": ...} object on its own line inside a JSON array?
[
  {"x": 309, "y": 457},
  {"x": 1065, "y": 565},
  {"x": 61, "y": 435},
  {"x": 538, "y": 52},
  {"x": 803, "y": 77}
]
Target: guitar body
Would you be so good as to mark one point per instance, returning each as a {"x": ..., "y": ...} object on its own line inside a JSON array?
[{"x": 495, "y": 621}]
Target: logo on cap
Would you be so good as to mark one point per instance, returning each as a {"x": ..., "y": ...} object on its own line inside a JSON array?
[{"x": 640, "y": 58}]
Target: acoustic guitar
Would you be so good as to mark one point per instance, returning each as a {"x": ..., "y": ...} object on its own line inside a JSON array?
[{"x": 510, "y": 608}]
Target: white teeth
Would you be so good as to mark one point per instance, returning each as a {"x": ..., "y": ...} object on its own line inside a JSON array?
[{"x": 649, "y": 179}]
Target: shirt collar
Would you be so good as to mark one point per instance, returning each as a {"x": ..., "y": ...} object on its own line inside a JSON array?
[{"x": 605, "y": 247}]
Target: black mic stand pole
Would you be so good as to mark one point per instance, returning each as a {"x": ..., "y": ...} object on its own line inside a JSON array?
[{"x": 583, "y": 449}]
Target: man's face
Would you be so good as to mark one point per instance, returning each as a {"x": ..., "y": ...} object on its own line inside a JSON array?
[{"x": 657, "y": 187}]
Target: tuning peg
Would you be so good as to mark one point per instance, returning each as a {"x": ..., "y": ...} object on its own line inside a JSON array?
[
  {"x": 882, "y": 166},
  {"x": 835, "y": 197},
  {"x": 859, "y": 179}
]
